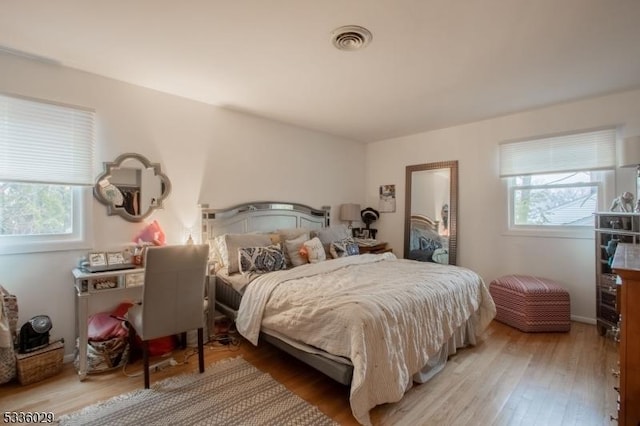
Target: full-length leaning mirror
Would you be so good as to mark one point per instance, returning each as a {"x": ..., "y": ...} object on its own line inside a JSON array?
[
  {"x": 132, "y": 187},
  {"x": 431, "y": 212}
]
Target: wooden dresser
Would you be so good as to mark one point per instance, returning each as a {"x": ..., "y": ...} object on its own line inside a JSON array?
[{"x": 626, "y": 263}]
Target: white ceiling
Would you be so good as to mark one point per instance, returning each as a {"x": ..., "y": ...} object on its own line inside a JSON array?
[{"x": 431, "y": 64}]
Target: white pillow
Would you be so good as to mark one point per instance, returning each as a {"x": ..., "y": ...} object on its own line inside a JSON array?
[
  {"x": 291, "y": 233},
  {"x": 315, "y": 250},
  {"x": 331, "y": 234},
  {"x": 292, "y": 250}
]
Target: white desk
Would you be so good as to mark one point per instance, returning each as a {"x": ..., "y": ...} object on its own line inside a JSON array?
[{"x": 92, "y": 297}]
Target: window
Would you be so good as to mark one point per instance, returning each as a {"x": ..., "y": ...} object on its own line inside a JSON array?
[
  {"x": 46, "y": 167},
  {"x": 555, "y": 184},
  {"x": 555, "y": 200}
]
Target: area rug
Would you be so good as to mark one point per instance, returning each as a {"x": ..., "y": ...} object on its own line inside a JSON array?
[{"x": 229, "y": 392}]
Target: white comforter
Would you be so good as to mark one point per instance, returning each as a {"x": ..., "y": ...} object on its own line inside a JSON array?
[{"x": 387, "y": 315}]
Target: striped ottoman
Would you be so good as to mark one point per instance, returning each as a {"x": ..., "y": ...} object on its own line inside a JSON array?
[{"x": 531, "y": 304}]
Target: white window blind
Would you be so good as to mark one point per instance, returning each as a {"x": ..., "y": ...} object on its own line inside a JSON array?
[
  {"x": 45, "y": 143},
  {"x": 595, "y": 150}
]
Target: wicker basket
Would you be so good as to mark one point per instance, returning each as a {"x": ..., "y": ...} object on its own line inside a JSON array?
[{"x": 38, "y": 365}]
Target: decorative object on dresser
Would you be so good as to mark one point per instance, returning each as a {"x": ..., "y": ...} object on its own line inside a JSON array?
[
  {"x": 626, "y": 264},
  {"x": 611, "y": 228},
  {"x": 628, "y": 155},
  {"x": 623, "y": 202}
]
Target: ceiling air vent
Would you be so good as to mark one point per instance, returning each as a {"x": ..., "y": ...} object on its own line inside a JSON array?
[{"x": 351, "y": 37}]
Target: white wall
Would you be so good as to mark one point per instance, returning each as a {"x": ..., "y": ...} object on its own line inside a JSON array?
[
  {"x": 482, "y": 218},
  {"x": 211, "y": 155},
  {"x": 220, "y": 157}
]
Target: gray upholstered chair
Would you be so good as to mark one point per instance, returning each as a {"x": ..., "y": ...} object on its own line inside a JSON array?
[{"x": 172, "y": 298}]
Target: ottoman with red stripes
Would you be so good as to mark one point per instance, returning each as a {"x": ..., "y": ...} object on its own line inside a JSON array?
[{"x": 531, "y": 304}]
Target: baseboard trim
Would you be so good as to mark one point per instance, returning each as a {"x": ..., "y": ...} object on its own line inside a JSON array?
[{"x": 583, "y": 319}]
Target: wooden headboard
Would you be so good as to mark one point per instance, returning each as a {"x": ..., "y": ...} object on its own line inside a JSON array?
[
  {"x": 424, "y": 222},
  {"x": 262, "y": 216}
]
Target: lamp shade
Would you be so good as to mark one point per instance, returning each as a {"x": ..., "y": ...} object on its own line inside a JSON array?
[
  {"x": 629, "y": 152},
  {"x": 350, "y": 212}
]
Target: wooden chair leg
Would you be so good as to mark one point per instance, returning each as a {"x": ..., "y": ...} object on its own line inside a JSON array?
[
  {"x": 201, "y": 349},
  {"x": 145, "y": 356}
]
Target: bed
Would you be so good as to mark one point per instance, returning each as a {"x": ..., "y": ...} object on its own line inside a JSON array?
[{"x": 372, "y": 321}]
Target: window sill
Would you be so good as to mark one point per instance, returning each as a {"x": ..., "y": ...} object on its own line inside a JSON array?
[
  {"x": 41, "y": 247},
  {"x": 577, "y": 234}
]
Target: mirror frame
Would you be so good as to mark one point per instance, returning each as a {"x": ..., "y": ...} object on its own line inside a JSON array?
[
  {"x": 121, "y": 211},
  {"x": 453, "y": 205}
]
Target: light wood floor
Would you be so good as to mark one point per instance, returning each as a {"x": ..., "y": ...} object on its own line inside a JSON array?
[{"x": 510, "y": 378}]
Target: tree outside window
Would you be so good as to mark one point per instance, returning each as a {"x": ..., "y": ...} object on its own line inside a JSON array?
[{"x": 35, "y": 209}]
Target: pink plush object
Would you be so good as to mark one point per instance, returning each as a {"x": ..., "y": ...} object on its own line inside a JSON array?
[
  {"x": 152, "y": 233},
  {"x": 107, "y": 325}
]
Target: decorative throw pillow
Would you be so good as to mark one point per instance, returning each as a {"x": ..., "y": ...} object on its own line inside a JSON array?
[
  {"x": 331, "y": 234},
  {"x": 315, "y": 250},
  {"x": 261, "y": 259},
  {"x": 343, "y": 248},
  {"x": 441, "y": 255},
  {"x": 235, "y": 241},
  {"x": 429, "y": 244},
  {"x": 292, "y": 250}
]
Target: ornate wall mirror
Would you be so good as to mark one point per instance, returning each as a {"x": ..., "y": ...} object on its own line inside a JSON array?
[
  {"x": 431, "y": 212},
  {"x": 132, "y": 187}
]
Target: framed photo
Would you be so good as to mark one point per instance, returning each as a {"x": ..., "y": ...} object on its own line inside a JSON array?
[
  {"x": 364, "y": 233},
  {"x": 97, "y": 259},
  {"x": 387, "y": 201},
  {"x": 115, "y": 258}
]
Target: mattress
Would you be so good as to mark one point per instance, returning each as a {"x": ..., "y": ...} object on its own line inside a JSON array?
[{"x": 226, "y": 293}]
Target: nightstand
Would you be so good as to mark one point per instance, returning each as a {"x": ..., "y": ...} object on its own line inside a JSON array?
[{"x": 381, "y": 247}]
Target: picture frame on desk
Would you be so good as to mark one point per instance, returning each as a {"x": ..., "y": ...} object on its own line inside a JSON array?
[
  {"x": 115, "y": 258},
  {"x": 97, "y": 259}
]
